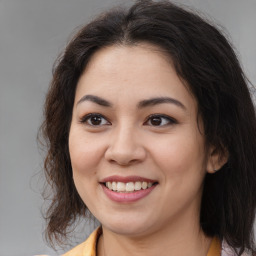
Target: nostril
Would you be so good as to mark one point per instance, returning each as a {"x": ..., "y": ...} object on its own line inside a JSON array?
[
  {"x": 125, "y": 152},
  {"x": 122, "y": 161}
]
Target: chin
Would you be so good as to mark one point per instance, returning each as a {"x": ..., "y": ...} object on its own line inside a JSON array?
[
  {"x": 127, "y": 230},
  {"x": 127, "y": 226}
]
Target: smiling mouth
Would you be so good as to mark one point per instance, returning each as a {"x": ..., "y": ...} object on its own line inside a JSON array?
[{"x": 128, "y": 187}]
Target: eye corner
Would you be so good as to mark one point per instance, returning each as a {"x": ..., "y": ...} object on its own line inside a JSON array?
[
  {"x": 94, "y": 120},
  {"x": 160, "y": 120}
]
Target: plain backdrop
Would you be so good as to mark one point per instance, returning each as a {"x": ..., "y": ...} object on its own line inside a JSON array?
[{"x": 32, "y": 34}]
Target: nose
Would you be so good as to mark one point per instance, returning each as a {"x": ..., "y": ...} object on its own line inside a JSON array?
[{"x": 125, "y": 147}]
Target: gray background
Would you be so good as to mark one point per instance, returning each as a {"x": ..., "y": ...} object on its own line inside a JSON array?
[{"x": 32, "y": 34}]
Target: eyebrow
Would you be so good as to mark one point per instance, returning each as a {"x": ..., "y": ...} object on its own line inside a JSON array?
[
  {"x": 142, "y": 104},
  {"x": 95, "y": 99},
  {"x": 160, "y": 100}
]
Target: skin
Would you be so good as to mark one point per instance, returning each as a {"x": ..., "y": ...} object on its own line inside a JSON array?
[{"x": 126, "y": 142}]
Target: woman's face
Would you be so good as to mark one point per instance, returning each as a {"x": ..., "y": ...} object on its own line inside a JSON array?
[{"x": 137, "y": 154}]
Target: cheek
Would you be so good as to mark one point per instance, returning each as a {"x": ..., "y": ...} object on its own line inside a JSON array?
[
  {"x": 84, "y": 152},
  {"x": 179, "y": 152},
  {"x": 183, "y": 170},
  {"x": 180, "y": 157},
  {"x": 85, "y": 157}
]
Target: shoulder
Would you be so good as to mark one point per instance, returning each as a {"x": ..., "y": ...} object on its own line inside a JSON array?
[
  {"x": 87, "y": 248},
  {"x": 226, "y": 250}
]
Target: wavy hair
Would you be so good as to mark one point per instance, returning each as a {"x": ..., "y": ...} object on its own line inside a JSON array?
[{"x": 204, "y": 58}]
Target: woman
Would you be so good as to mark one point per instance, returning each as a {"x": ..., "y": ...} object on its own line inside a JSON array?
[{"x": 150, "y": 127}]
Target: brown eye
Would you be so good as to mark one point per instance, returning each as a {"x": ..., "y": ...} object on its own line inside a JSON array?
[
  {"x": 95, "y": 120},
  {"x": 160, "y": 120},
  {"x": 156, "y": 121}
]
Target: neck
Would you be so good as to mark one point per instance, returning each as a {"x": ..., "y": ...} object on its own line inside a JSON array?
[{"x": 178, "y": 240}]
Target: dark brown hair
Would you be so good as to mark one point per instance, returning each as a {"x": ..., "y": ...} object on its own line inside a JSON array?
[{"x": 202, "y": 57}]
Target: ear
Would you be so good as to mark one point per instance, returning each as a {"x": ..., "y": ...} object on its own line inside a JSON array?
[{"x": 216, "y": 159}]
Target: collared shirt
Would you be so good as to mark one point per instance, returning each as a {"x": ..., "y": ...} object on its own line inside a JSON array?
[{"x": 88, "y": 248}]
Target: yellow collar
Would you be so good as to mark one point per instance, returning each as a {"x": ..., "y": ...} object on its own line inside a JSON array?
[
  {"x": 215, "y": 247},
  {"x": 88, "y": 248}
]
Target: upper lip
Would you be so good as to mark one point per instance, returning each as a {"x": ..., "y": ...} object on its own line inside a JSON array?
[{"x": 126, "y": 179}]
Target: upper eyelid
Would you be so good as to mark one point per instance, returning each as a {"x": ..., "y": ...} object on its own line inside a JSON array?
[
  {"x": 87, "y": 116},
  {"x": 161, "y": 115}
]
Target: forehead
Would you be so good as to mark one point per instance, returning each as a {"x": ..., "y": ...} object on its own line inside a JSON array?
[
  {"x": 113, "y": 55},
  {"x": 143, "y": 69}
]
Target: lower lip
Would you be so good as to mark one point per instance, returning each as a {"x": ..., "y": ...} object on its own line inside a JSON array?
[{"x": 128, "y": 197}]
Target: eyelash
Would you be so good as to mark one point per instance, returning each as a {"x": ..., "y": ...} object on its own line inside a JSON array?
[
  {"x": 168, "y": 120},
  {"x": 88, "y": 117}
]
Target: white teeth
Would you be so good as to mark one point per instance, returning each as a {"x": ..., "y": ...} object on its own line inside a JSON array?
[
  {"x": 109, "y": 185},
  {"x": 129, "y": 186},
  {"x": 114, "y": 188},
  {"x": 137, "y": 185},
  {"x": 144, "y": 185},
  {"x": 120, "y": 187}
]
